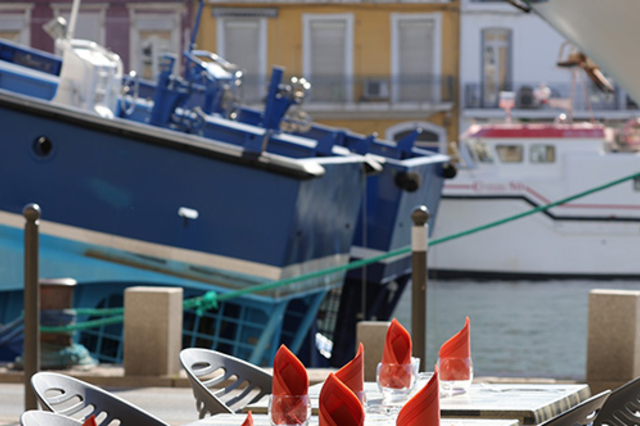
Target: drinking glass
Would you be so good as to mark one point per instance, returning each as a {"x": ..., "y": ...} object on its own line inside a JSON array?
[
  {"x": 421, "y": 381},
  {"x": 289, "y": 410},
  {"x": 396, "y": 381},
  {"x": 455, "y": 374}
]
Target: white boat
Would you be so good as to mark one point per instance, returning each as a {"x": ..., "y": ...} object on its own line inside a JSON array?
[{"x": 509, "y": 169}]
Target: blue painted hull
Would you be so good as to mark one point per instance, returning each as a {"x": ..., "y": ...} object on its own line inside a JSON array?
[
  {"x": 111, "y": 190},
  {"x": 114, "y": 180}
]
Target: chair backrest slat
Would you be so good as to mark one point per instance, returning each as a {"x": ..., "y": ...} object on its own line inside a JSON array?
[{"x": 45, "y": 418}]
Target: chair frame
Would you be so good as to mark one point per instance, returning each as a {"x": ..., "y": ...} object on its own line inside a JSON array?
[
  {"x": 223, "y": 393},
  {"x": 77, "y": 399},
  {"x": 583, "y": 413},
  {"x": 623, "y": 406}
]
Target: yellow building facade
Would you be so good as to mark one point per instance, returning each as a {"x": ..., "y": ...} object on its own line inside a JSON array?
[{"x": 387, "y": 67}]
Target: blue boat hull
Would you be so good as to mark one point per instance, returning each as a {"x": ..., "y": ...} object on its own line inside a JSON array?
[{"x": 111, "y": 193}]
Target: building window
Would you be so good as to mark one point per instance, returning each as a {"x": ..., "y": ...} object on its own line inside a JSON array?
[
  {"x": 153, "y": 33},
  {"x": 636, "y": 184},
  {"x": 415, "y": 57},
  {"x": 539, "y": 153},
  {"x": 510, "y": 153},
  {"x": 15, "y": 23},
  {"x": 496, "y": 64},
  {"x": 243, "y": 42},
  {"x": 328, "y": 56},
  {"x": 90, "y": 24}
]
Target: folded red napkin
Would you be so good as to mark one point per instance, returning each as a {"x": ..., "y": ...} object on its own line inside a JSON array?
[
  {"x": 289, "y": 379},
  {"x": 90, "y": 421},
  {"x": 338, "y": 405},
  {"x": 352, "y": 374},
  {"x": 423, "y": 409},
  {"x": 289, "y": 375},
  {"x": 395, "y": 356},
  {"x": 249, "y": 420},
  {"x": 453, "y": 353}
]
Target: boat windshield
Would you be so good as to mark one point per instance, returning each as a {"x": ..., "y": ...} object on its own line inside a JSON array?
[{"x": 480, "y": 151}]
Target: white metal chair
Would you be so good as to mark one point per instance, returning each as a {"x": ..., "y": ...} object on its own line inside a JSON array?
[
  {"x": 45, "y": 418},
  {"x": 222, "y": 383},
  {"x": 77, "y": 399},
  {"x": 582, "y": 414}
]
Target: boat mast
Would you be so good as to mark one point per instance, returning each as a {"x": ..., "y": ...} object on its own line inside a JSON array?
[
  {"x": 196, "y": 24},
  {"x": 72, "y": 19}
]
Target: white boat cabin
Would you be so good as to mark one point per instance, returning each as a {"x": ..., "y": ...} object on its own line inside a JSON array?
[{"x": 525, "y": 149}]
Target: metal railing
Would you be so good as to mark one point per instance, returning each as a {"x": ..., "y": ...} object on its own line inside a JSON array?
[
  {"x": 481, "y": 96},
  {"x": 363, "y": 89}
]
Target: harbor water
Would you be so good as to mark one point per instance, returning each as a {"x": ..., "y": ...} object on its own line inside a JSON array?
[{"x": 518, "y": 328}]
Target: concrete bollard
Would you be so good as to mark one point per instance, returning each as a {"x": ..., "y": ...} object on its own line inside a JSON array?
[
  {"x": 372, "y": 334},
  {"x": 152, "y": 331},
  {"x": 613, "y": 338}
]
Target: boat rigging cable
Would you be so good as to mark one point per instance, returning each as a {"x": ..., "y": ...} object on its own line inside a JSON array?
[{"x": 211, "y": 299}]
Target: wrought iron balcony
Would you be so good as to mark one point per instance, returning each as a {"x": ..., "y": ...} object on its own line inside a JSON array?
[
  {"x": 344, "y": 89},
  {"x": 580, "y": 97}
]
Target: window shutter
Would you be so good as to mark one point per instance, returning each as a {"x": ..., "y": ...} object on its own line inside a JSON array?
[
  {"x": 416, "y": 44},
  {"x": 242, "y": 47},
  {"x": 328, "y": 60}
]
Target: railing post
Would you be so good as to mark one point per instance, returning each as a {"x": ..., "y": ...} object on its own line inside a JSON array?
[
  {"x": 31, "y": 351},
  {"x": 419, "y": 242}
]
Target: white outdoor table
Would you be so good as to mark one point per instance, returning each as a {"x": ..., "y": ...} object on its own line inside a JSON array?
[
  {"x": 530, "y": 404},
  {"x": 263, "y": 420}
]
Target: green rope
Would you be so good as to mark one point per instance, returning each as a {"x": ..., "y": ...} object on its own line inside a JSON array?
[
  {"x": 83, "y": 325},
  {"x": 98, "y": 312},
  {"x": 534, "y": 210},
  {"x": 211, "y": 299}
]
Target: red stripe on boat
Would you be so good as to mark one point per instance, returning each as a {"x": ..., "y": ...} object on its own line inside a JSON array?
[{"x": 576, "y": 130}]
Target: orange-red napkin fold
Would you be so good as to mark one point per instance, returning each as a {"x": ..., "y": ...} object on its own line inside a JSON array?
[
  {"x": 289, "y": 375},
  {"x": 338, "y": 405},
  {"x": 90, "y": 421},
  {"x": 395, "y": 355},
  {"x": 289, "y": 378},
  {"x": 249, "y": 420},
  {"x": 453, "y": 352},
  {"x": 423, "y": 409},
  {"x": 352, "y": 374}
]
